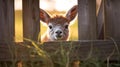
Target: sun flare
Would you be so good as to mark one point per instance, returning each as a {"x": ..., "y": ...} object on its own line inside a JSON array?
[{"x": 59, "y": 5}]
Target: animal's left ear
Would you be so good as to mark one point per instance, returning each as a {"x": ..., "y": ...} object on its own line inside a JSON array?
[{"x": 72, "y": 13}]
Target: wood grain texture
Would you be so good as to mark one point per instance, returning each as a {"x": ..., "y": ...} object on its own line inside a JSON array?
[
  {"x": 87, "y": 19},
  {"x": 31, "y": 22},
  {"x": 6, "y": 21},
  {"x": 112, "y": 19},
  {"x": 82, "y": 50},
  {"x": 85, "y": 49}
]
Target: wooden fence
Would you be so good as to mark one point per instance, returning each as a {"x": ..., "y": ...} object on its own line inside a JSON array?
[{"x": 101, "y": 31}]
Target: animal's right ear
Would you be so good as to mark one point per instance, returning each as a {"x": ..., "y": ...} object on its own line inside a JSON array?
[
  {"x": 44, "y": 16},
  {"x": 72, "y": 13}
]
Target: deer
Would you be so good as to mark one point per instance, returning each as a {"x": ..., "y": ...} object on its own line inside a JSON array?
[{"x": 58, "y": 26}]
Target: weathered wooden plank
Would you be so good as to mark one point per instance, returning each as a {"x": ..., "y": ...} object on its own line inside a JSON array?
[
  {"x": 6, "y": 21},
  {"x": 82, "y": 50},
  {"x": 31, "y": 22},
  {"x": 112, "y": 19},
  {"x": 9, "y": 52},
  {"x": 87, "y": 19}
]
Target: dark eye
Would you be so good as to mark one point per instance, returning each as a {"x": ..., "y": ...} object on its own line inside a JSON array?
[
  {"x": 50, "y": 27},
  {"x": 66, "y": 26}
]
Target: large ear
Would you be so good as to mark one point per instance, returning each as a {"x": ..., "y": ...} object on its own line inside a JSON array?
[
  {"x": 72, "y": 13},
  {"x": 44, "y": 16}
]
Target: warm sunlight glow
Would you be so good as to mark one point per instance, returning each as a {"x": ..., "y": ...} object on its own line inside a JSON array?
[
  {"x": 63, "y": 5},
  {"x": 18, "y": 21},
  {"x": 98, "y": 3},
  {"x": 43, "y": 5},
  {"x": 47, "y": 4},
  {"x": 59, "y": 5},
  {"x": 18, "y": 4}
]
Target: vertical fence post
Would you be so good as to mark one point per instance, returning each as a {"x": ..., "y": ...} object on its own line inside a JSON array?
[
  {"x": 87, "y": 19},
  {"x": 112, "y": 19},
  {"x": 31, "y": 22},
  {"x": 6, "y": 21}
]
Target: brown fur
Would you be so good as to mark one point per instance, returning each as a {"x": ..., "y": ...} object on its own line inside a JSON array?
[{"x": 57, "y": 20}]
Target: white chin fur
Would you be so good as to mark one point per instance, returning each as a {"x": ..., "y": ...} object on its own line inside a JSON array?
[{"x": 56, "y": 38}]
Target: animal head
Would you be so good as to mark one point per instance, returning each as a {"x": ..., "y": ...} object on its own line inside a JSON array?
[{"x": 58, "y": 26}]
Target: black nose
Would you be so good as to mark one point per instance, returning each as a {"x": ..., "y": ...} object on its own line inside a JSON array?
[{"x": 58, "y": 32}]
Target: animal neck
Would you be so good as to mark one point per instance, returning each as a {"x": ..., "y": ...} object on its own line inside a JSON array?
[{"x": 45, "y": 38}]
